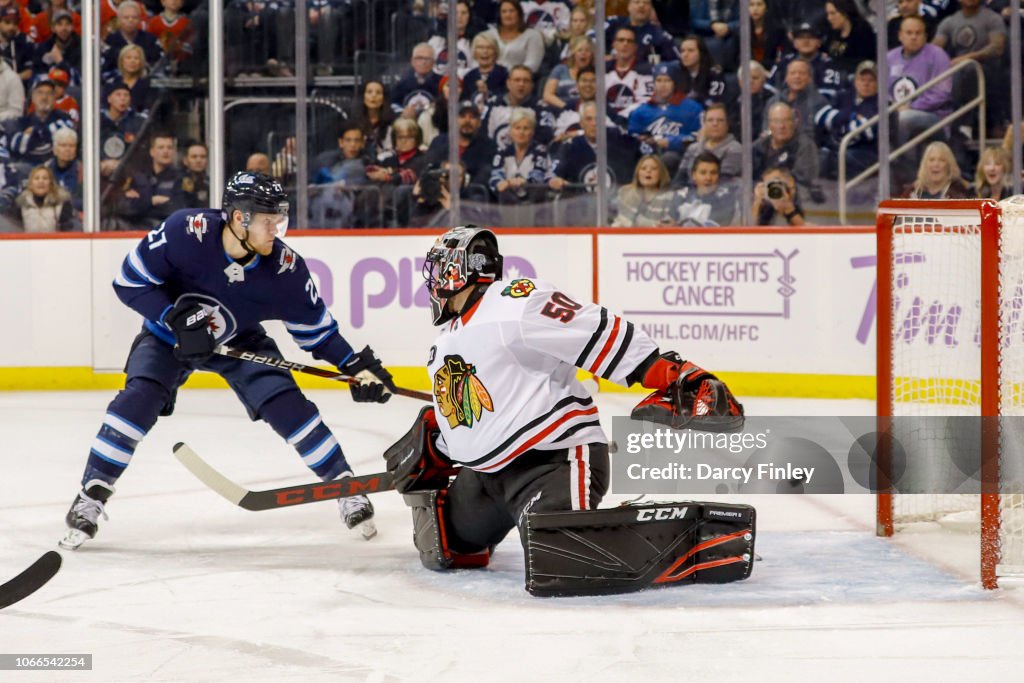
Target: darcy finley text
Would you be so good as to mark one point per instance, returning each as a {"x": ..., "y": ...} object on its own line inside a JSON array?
[{"x": 765, "y": 471}]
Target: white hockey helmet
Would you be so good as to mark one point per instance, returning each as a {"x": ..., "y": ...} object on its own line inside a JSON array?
[{"x": 461, "y": 257}]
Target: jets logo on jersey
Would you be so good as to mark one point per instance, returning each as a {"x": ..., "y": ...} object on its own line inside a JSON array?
[
  {"x": 196, "y": 225},
  {"x": 287, "y": 260},
  {"x": 519, "y": 289},
  {"x": 460, "y": 395},
  {"x": 903, "y": 87}
]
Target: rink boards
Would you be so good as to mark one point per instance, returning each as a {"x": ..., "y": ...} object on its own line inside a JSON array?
[{"x": 775, "y": 311}]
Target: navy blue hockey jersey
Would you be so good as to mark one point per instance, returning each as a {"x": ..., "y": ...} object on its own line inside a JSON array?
[{"x": 184, "y": 259}]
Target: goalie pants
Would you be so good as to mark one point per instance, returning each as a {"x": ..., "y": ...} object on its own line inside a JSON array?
[
  {"x": 481, "y": 508},
  {"x": 153, "y": 378}
]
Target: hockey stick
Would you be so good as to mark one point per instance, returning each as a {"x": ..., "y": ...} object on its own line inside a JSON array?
[
  {"x": 306, "y": 369},
  {"x": 30, "y": 580},
  {"x": 282, "y": 497}
]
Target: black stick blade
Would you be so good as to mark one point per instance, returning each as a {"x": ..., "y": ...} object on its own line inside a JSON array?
[{"x": 30, "y": 580}]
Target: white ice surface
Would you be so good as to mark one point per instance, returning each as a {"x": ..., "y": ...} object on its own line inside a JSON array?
[{"x": 180, "y": 585}]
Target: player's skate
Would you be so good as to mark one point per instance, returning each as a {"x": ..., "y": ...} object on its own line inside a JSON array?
[
  {"x": 357, "y": 511},
  {"x": 85, "y": 512}
]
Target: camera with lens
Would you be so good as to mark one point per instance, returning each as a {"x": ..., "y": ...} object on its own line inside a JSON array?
[
  {"x": 776, "y": 189},
  {"x": 431, "y": 182}
]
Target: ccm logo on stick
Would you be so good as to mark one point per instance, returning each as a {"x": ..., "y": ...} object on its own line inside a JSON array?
[
  {"x": 661, "y": 514},
  {"x": 328, "y": 491}
]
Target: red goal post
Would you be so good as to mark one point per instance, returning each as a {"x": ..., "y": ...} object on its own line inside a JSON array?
[{"x": 941, "y": 325}]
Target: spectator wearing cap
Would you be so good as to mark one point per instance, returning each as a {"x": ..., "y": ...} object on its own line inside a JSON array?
[
  {"x": 417, "y": 88},
  {"x": 62, "y": 49},
  {"x": 718, "y": 22},
  {"x": 799, "y": 92},
  {"x": 12, "y": 92},
  {"x": 42, "y": 23},
  {"x": 806, "y": 41},
  {"x": 628, "y": 81},
  {"x": 66, "y": 166},
  {"x": 30, "y": 137},
  {"x": 650, "y": 38},
  {"x": 714, "y": 138},
  {"x": 15, "y": 47},
  {"x": 476, "y": 150},
  {"x": 130, "y": 32},
  {"x": 854, "y": 106},
  {"x": 912, "y": 65},
  {"x": 63, "y": 101},
  {"x": 668, "y": 121},
  {"x": 24, "y": 17},
  {"x": 119, "y": 126},
  {"x": 487, "y": 78},
  {"x": 173, "y": 30}
]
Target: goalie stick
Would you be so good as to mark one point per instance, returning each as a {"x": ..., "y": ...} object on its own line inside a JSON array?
[
  {"x": 32, "y": 579},
  {"x": 308, "y": 370},
  {"x": 282, "y": 497}
]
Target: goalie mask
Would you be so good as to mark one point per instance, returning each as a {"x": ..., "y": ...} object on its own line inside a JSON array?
[{"x": 461, "y": 257}]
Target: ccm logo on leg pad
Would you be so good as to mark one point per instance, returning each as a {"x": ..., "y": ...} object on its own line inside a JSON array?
[{"x": 660, "y": 514}]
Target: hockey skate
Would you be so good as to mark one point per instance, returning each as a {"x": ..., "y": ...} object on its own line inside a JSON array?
[
  {"x": 85, "y": 512},
  {"x": 357, "y": 511}
]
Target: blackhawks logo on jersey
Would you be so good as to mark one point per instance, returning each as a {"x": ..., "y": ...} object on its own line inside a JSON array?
[
  {"x": 461, "y": 397},
  {"x": 519, "y": 288}
]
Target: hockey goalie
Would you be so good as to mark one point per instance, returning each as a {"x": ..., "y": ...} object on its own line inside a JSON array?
[{"x": 509, "y": 410}]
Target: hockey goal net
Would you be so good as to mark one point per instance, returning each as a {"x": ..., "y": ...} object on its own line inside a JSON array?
[{"x": 951, "y": 343}]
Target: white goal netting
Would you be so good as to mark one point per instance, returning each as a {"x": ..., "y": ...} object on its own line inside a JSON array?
[{"x": 935, "y": 344}]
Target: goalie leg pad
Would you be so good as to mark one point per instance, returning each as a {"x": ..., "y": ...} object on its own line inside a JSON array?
[
  {"x": 624, "y": 549},
  {"x": 430, "y": 534}
]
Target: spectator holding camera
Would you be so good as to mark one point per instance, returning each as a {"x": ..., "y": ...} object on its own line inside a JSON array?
[
  {"x": 786, "y": 147},
  {"x": 775, "y": 199}
]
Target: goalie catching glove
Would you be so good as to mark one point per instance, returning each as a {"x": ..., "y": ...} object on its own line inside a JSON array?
[
  {"x": 414, "y": 461},
  {"x": 375, "y": 383},
  {"x": 686, "y": 396}
]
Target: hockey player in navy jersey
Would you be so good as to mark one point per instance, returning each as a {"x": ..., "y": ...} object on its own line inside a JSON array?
[
  {"x": 206, "y": 277},
  {"x": 509, "y": 409}
]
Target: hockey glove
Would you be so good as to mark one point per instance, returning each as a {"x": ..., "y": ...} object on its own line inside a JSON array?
[
  {"x": 687, "y": 396},
  {"x": 190, "y": 323},
  {"x": 375, "y": 385},
  {"x": 414, "y": 461}
]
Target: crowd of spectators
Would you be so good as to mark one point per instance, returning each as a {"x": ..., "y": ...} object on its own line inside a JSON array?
[
  {"x": 527, "y": 97},
  {"x": 528, "y": 121}
]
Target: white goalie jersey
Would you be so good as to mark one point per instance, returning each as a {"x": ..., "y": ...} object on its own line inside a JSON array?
[{"x": 504, "y": 373}]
